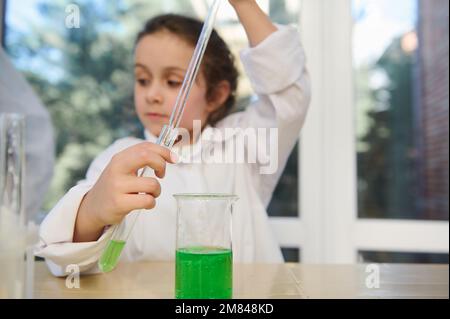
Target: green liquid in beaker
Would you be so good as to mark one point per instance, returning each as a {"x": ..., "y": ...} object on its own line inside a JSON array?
[
  {"x": 204, "y": 273},
  {"x": 110, "y": 256}
]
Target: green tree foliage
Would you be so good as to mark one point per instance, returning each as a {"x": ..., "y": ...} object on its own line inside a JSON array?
[{"x": 387, "y": 162}]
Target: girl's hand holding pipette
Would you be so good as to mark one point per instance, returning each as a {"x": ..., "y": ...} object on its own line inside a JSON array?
[{"x": 119, "y": 190}]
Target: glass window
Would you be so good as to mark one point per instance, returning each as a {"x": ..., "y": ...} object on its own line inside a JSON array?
[
  {"x": 285, "y": 200},
  {"x": 400, "y": 55},
  {"x": 84, "y": 75}
]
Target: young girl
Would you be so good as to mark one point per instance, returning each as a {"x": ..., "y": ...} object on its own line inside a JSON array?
[{"x": 77, "y": 229}]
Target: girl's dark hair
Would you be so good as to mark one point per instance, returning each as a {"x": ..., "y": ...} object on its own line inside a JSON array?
[{"x": 218, "y": 62}]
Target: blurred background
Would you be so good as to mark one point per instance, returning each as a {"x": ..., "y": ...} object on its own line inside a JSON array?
[{"x": 368, "y": 181}]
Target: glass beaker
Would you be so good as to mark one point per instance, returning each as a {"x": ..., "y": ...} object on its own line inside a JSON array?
[
  {"x": 12, "y": 215},
  {"x": 12, "y": 166},
  {"x": 204, "y": 257}
]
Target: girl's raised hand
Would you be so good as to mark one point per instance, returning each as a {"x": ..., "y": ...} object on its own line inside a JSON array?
[{"x": 257, "y": 24}]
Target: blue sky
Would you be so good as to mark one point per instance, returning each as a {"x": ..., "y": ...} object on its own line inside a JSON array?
[
  {"x": 377, "y": 23},
  {"x": 20, "y": 13}
]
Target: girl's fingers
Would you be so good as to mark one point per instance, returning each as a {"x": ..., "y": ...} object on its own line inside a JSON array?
[
  {"x": 145, "y": 154},
  {"x": 130, "y": 202},
  {"x": 136, "y": 185}
]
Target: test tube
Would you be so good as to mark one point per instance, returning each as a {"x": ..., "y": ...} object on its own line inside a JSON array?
[
  {"x": 13, "y": 234},
  {"x": 122, "y": 231}
]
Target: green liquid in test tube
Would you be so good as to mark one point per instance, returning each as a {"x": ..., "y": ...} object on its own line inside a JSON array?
[{"x": 111, "y": 255}]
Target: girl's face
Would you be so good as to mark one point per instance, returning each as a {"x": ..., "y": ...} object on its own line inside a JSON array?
[{"x": 161, "y": 63}]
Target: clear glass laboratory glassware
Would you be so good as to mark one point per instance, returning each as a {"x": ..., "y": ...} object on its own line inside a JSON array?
[
  {"x": 12, "y": 214},
  {"x": 204, "y": 254}
]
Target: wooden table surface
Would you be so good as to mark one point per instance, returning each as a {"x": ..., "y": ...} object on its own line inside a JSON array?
[{"x": 258, "y": 281}]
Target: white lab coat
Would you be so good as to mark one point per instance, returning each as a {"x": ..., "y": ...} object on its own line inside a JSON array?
[{"x": 276, "y": 68}]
